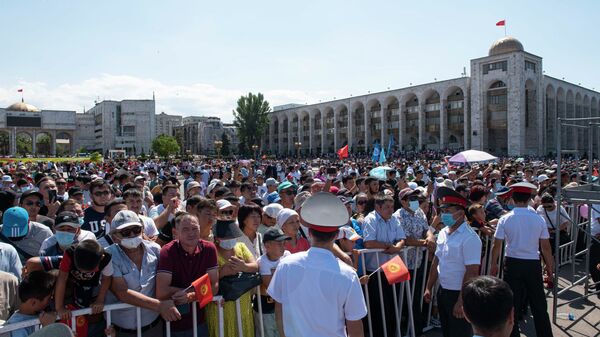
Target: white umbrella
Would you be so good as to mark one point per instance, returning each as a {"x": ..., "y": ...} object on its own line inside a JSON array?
[{"x": 470, "y": 157}]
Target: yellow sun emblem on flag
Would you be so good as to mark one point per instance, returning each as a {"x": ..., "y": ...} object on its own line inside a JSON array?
[
  {"x": 203, "y": 289},
  {"x": 394, "y": 267}
]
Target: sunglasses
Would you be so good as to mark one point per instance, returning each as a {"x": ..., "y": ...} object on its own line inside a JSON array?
[
  {"x": 548, "y": 206},
  {"x": 34, "y": 203},
  {"x": 60, "y": 183},
  {"x": 361, "y": 202},
  {"x": 135, "y": 230},
  {"x": 227, "y": 212},
  {"x": 288, "y": 192},
  {"x": 101, "y": 194}
]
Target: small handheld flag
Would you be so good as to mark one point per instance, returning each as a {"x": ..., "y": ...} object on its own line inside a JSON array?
[
  {"x": 203, "y": 290},
  {"x": 343, "y": 152},
  {"x": 395, "y": 270}
]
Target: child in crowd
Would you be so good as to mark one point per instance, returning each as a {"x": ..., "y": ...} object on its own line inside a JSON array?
[
  {"x": 273, "y": 240},
  {"x": 81, "y": 267},
  {"x": 35, "y": 292}
]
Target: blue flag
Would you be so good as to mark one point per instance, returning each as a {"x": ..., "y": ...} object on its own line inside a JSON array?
[
  {"x": 390, "y": 144},
  {"x": 382, "y": 157},
  {"x": 376, "y": 150}
]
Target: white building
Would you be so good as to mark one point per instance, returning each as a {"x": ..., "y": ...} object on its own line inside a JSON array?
[
  {"x": 25, "y": 129},
  {"x": 506, "y": 106},
  {"x": 165, "y": 123},
  {"x": 198, "y": 134},
  {"x": 128, "y": 125}
]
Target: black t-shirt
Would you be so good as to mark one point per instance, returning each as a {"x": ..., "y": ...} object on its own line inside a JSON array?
[{"x": 94, "y": 222}]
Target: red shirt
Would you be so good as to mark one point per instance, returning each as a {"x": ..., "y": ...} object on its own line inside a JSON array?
[
  {"x": 301, "y": 245},
  {"x": 186, "y": 268}
]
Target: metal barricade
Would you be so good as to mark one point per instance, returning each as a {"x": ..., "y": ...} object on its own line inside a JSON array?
[
  {"x": 405, "y": 290},
  {"x": 7, "y": 328}
]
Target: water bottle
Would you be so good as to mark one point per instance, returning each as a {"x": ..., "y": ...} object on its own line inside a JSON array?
[{"x": 570, "y": 316}]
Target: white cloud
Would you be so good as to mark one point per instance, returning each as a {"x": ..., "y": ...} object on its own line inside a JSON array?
[{"x": 194, "y": 99}]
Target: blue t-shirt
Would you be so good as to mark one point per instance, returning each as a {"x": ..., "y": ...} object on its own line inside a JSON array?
[{"x": 19, "y": 317}]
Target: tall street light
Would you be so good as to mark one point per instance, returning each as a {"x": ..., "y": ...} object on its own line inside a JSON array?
[
  {"x": 218, "y": 146},
  {"x": 298, "y": 145}
]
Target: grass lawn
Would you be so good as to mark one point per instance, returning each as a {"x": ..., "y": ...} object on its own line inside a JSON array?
[{"x": 35, "y": 159}]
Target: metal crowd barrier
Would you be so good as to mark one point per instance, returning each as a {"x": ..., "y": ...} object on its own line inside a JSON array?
[{"x": 118, "y": 306}]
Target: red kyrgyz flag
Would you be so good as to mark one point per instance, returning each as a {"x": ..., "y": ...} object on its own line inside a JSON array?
[
  {"x": 203, "y": 290},
  {"x": 343, "y": 152},
  {"x": 20, "y": 90},
  {"x": 395, "y": 270},
  {"x": 501, "y": 23}
]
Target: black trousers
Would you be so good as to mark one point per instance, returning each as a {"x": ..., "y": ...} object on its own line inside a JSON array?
[
  {"x": 418, "y": 315},
  {"x": 375, "y": 306},
  {"x": 451, "y": 326},
  {"x": 525, "y": 277},
  {"x": 594, "y": 260}
]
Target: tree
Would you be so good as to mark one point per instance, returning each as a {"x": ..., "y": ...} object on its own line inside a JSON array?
[
  {"x": 95, "y": 157},
  {"x": 24, "y": 144},
  {"x": 251, "y": 120},
  {"x": 226, "y": 147},
  {"x": 165, "y": 145}
]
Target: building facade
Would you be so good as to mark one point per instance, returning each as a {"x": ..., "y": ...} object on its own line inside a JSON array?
[
  {"x": 507, "y": 106},
  {"x": 128, "y": 125},
  {"x": 165, "y": 123},
  {"x": 197, "y": 134}
]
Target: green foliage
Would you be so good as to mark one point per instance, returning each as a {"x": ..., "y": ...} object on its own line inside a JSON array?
[
  {"x": 251, "y": 120},
  {"x": 165, "y": 145},
  {"x": 24, "y": 144},
  {"x": 95, "y": 157},
  {"x": 226, "y": 149}
]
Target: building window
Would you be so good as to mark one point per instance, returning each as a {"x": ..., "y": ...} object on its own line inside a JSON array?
[
  {"x": 502, "y": 65},
  {"x": 529, "y": 66}
]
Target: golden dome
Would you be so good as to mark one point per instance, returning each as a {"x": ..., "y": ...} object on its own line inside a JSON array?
[
  {"x": 22, "y": 106},
  {"x": 505, "y": 45}
]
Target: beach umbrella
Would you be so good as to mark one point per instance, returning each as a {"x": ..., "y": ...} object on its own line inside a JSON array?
[{"x": 471, "y": 157}]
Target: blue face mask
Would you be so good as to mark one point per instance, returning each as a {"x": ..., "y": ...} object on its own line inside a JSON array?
[
  {"x": 64, "y": 239},
  {"x": 510, "y": 207},
  {"x": 413, "y": 205},
  {"x": 498, "y": 185},
  {"x": 448, "y": 219},
  {"x": 80, "y": 220}
]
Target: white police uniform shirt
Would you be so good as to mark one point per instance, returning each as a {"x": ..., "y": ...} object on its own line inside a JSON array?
[
  {"x": 318, "y": 293},
  {"x": 455, "y": 251},
  {"x": 521, "y": 229}
]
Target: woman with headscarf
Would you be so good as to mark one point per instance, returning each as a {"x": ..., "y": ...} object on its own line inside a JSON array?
[
  {"x": 233, "y": 257},
  {"x": 289, "y": 222}
]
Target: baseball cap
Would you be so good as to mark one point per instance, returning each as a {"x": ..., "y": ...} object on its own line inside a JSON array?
[
  {"x": 15, "y": 222},
  {"x": 348, "y": 233},
  {"x": 123, "y": 219},
  {"x": 75, "y": 191},
  {"x": 272, "y": 210},
  {"x": 192, "y": 184},
  {"x": 300, "y": 199},
  {"x": 344, "y": 200},
  {"x": 67, "y": 219},
  {"x": 405, "y": 192},
  {"x": 542, "y": 177},
  {"x": 223, "y": 204},
  {"x": 271, "y": 182},
  {"x": 284, "y": 185},
  {"x": 29, "y": 193},
  {"x": 274, "y": 234},
  {"x": 227, "y": 229}
]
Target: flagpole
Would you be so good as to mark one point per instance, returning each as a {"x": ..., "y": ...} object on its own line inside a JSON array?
[{"x": 504, "y": 27}]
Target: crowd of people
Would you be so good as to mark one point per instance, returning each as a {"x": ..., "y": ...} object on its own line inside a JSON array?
[{"x": 83, "y": 235}]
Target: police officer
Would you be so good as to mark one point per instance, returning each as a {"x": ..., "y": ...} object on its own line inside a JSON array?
[
  {"x": 524, "y": 231},
  {"x": 315, "y": 293},
  {"x": 457, "y": 259}
]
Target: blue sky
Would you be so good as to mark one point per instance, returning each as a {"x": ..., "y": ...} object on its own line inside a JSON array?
[{"x": 200, "y": 56}]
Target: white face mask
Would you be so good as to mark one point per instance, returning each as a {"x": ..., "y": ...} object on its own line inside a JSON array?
[
  {"x": 131, "y": 243},
  {"x": 227, "y": 244}
]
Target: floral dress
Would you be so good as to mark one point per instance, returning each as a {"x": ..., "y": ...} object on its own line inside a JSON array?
[{"x": 229, "y": 313}]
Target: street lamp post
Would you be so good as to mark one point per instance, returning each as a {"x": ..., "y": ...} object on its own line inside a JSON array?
[
  {"x": 255, "y": 149},
  {"x": 218, "y": 146},
  {"x": 298, "y": 145}
]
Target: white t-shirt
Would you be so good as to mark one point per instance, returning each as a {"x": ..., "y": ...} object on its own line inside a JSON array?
[
  {"x": 266, "y": 266},
  {"x": 550, "y": 216},
  {"x": 522, "y": 229}
]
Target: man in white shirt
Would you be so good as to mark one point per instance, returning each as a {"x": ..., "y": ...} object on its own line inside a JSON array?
[
  {"x": 317, "y": 295},
  {"x": 524, "y": 232}
]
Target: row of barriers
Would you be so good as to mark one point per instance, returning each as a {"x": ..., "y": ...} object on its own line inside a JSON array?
[{"x": 406, "y": 293}]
